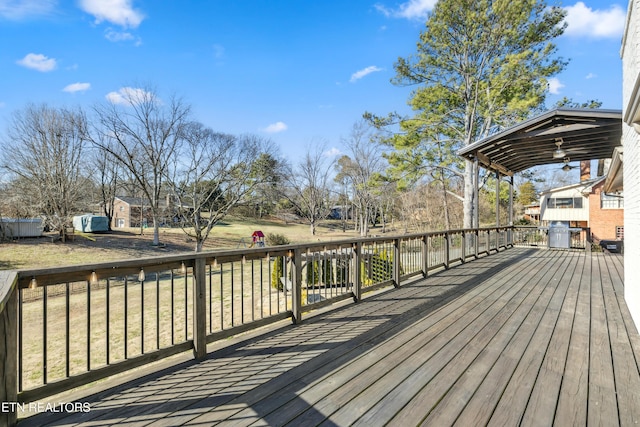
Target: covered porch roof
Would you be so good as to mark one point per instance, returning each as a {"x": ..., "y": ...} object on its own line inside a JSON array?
[{"x": 579, "y": 134}]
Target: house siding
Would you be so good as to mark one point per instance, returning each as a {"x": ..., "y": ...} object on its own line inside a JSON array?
[
  {"x": 631, "y": 172},
  {"x": 555, "y": 214}
]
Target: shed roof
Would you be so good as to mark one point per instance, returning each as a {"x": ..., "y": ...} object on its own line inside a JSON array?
[{"x": 584, "y": 134}]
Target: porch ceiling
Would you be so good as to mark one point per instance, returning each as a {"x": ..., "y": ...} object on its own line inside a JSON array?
[{"x": 585, "y": 134}]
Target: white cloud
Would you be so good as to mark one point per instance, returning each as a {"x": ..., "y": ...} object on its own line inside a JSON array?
[
  {"x": 412, "y": 9},
  {"x": 365, "y": 71},
  {"x": 77, "y": 87},
  {"x": 276, "y": 127},
  {"x": 129, "y": 96},
  {"x": 333, "y": 152},
  {"x": 22, "y": 9},
  {"x": 117, "y": 36},
  {"x": 117, "y": 12},
  {"x": 583, "y": 21},
  {"x": 591, "y": 76},
  {"x": 218, "y": 50},
  {"x": 554, "y": 85},
  {"x": 37, "y": 61}
]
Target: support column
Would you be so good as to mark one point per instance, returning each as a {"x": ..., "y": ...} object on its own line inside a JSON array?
[
  {"x": 497, "y": 199},
  {"x": 476, "y": 193}
]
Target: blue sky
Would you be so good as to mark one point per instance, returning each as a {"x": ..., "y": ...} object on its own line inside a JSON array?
[{"x": 298, "y": 72}]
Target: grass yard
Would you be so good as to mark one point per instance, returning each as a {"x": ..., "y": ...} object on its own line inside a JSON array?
[{"x": 233, "y": 233}]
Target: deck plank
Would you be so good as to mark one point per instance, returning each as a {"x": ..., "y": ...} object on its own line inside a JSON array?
[
  {"x": 544, "y": 396},
  {"x": 602, "y": 405},
  {"x": 487, "y": 396},
  {"x": 476, "y": 360},
  {"x": 572, "y": 401},
  {"x": 426, "y": 360},
  {"x": 626, "y": 374},
  {"x": 530, "y": 337}
]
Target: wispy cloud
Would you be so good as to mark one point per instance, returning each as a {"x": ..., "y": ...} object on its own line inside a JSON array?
[
  {"x": 39, "y": 62},
  {"x": 129, "y": 96},
  {"x": 77, "y": 87},
  {"x": 554, "y": 85},
  {"x": 16, "y": 10},
  {"x": 583, "y": 21},
  {"x": 117, "y": 12},
  {"x": 591, "y": 76},
  {"x": 364, "y": 72},
  {"x": 218, "y": 51},
  {"x": 412, "y": 9},
  {"x": 276, "y": 127},
  {"x": 333, "y": 152}
]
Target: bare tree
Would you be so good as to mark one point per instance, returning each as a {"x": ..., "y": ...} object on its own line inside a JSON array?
[
  {"x": 109, "y": 171},
  {"x": 309, "y": 187},
  {"x": 212, "y": 173},
  {"x": 44, "y": 152},
  {"x": 144, "y": 134},
  {"x": 363, "y": 169}
]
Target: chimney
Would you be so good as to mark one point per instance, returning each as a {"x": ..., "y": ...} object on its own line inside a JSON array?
[{"x": 585, "y": 170}]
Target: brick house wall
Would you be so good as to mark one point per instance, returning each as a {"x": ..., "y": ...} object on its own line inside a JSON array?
[
  {"x": 127, "y": 214},
  {"x": 603, "y": 221},
  {"x": 121, "y": 214},
  {"x": 630, "y": 53}
]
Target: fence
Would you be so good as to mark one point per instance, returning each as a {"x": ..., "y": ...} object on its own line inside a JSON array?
[
  {"x": 70, "y": 326},
  {"x": 539, "y": 236}
]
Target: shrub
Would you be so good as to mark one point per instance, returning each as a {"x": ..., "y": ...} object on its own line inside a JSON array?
[{"x": 275, "y": 239}]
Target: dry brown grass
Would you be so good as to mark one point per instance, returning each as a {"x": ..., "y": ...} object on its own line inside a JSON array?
[{"x": 116, "y": 245}]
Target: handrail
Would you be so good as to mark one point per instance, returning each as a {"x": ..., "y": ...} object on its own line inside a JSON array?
[
  {"x": 8, "y": 351},
  {"x": 118, "y": 315}
]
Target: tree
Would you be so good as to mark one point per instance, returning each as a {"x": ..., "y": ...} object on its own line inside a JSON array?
[
  {"x": 569, "y": 103},
  {"x": 480, "y": 66},
  {"x": 211, "y": 173},
  {"x": 109, "y": 172},
  {"x": 362, "y": 171},
  {"x": 308, "y": 187},
  {"x": 143, "y": 133},
  {"x": 527, "y": 193},
  {"x": 268, "y": 173},
  {"x": 44, "y": 153}
]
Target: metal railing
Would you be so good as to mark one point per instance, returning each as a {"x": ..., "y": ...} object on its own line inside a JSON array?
[
  {"x": 70, "y": 326},
  {"x": 532, "y": 236}
]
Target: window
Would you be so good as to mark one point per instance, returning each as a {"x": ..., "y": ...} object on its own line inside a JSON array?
[
  {"x": 564, "y": 202},
  {"x": 619, "y": 232},
  {"x": 611, "y": 201}
]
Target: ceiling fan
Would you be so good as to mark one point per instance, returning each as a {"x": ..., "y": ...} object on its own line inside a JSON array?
[
  {"x": 567, "y": 167},
  {"x": 560, "y": 153}
]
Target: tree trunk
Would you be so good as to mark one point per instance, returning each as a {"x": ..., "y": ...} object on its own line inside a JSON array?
[
  {"x": 469, "y": 202},
  {"x": 156, "y": 232}
]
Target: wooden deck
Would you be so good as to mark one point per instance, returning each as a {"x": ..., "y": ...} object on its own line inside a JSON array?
[{"x": 523, "y": 337}]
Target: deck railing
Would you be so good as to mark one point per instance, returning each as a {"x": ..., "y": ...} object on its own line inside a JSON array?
[
  {"x": 69, "y": 326},
  {"x": 524, "y": 236}
]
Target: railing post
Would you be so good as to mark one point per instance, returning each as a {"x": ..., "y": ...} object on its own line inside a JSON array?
[
  {"x": 476, "y": 241},
  {"x": 296, "y": 286},
  {"x": 357, "y": 282},
  {"x": 199, "y": 308},
  {"x": 447, "y": 248},
  {"x": 9, "y": 351},
  {"x": 425, "y": 255},
  {"x": 464, "y": 247},
  {"x": 396, "y": 263}
]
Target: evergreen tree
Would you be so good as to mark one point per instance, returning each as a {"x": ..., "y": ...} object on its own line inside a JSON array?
[{"x": 480, "y": 66}]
